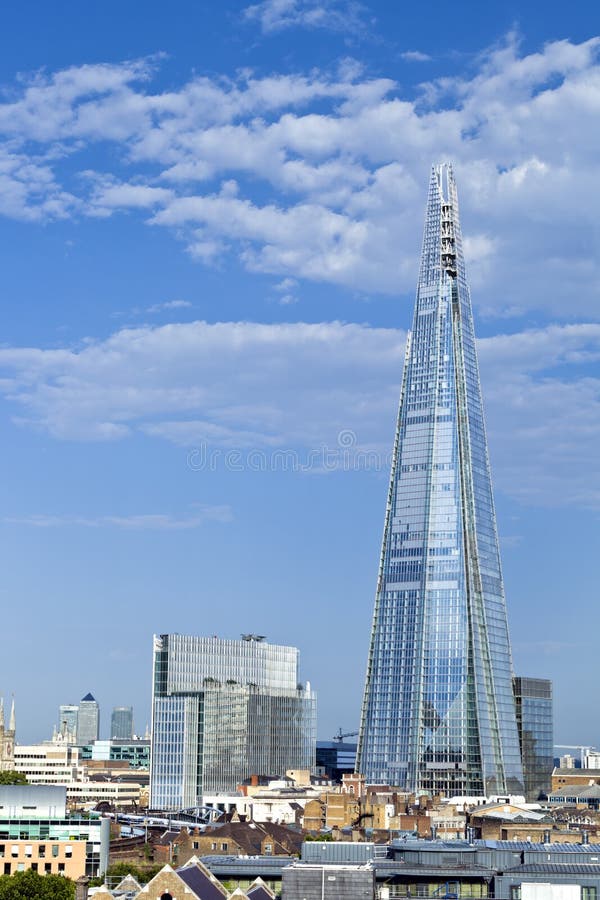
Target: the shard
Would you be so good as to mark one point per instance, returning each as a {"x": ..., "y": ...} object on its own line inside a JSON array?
[{"x": 438, "y": 712}]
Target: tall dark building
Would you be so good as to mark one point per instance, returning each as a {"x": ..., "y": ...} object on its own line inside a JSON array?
[
  {"x": 533, "y": 701},
  {"x": 438, "y": 711},
  {"x": 121, "y": 723}
]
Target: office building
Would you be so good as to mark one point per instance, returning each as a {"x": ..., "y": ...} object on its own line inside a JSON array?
[
  {"x": 334, "y": 758},
  {"x": 438, "y": 710},
  {"x": 533, "y": 702},
  {"x": 88, "y": 720},
  {"x": 121, "y": 723},
  {"x": 67, "y": 721},
  {"x": 223, "y": 710},
  {"x": 135, "y": 753},
  {"x": 37, "y": 833}
]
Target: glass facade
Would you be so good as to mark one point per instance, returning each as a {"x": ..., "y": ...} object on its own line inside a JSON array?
[
  {"x": 88, "y": 720},
  {"x": 533, "y": 701},
  {"x": 438, "y": 711},
  {"x": 223, "y": 710},
  {"x": 121, "y": 723}
]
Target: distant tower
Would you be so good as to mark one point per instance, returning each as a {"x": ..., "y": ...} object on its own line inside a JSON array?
[
  {"x": 438, "y": 711},
  {"x": 7, "y": 739},
  {"x": 121, "y": 723},
  {"x": 533, "y": 700},
  {"x": 67, "y": 722},
  {"x": 88, "y": 721}
]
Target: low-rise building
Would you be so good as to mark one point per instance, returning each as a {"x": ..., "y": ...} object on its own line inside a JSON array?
[{"x": 37, "y": 833}]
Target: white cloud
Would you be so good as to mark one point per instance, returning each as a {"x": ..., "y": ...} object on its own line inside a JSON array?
[
  {"x": 139, "y": 522},
  {"x": 415, "y": 56},
  {"x": 334, "y": 15},
  {"x": 247, "y": 386},
  {"x": 168, "y": 305},
  {"x": 343, "y": 152}
]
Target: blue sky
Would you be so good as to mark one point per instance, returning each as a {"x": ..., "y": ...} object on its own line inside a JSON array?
[{"x": 210, "y": 220}]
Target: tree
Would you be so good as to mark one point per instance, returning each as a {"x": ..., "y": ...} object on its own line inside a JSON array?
[
  {"x": 30, "y": 885},
  {"x": 12, "y": 777}
]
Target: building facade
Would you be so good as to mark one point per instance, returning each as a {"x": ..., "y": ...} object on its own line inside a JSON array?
[
  {"x": 121, "y": 723},
  {"x": 223, "y": 710},
  {"x": 533, "y": 702},
  {"x": 88, "y": 720},
  {"x": 37, "y": 833},
  {"x": 67, "y": 721},
  {"x": 135, "y": 753},
  {"x": 438, "y": 711}
]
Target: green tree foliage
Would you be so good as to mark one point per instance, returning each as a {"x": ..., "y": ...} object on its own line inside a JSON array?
[
  {"x": 30, "y": 885},
  {"x": 12, "y": 777}
]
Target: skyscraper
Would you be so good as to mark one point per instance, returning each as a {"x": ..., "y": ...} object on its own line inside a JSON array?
[
  {"x": 223, "y": 710},
  {"x": 67, "y": 721},
  {"x": 88, "y": 720},
  {"x": 121, "y": 723},
  {"x": 438, "y": 710},
  {"x": 533, "y": 700}
]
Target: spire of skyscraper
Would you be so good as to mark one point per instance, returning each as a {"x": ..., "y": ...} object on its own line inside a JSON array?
[{"x": 438, "y": 710}]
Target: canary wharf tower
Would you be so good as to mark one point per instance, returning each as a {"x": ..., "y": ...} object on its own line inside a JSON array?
[{"x": 438, "y": 711}]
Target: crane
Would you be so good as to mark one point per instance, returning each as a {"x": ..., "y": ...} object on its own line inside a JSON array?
[
  {"x": 339, "y": 737},
  {"x": 582, "y": 748}
]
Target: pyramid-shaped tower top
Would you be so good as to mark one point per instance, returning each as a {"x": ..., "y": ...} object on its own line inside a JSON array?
[{"x": 87, "y": 699}]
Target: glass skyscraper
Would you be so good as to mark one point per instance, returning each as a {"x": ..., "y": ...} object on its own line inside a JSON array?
[
  {"x": 121, "y": 723},
  {"x": 438, "y": 711},
  {"x": 533, "y": 699},
  {"x": 88, "y": 720},
  {"x": 223, "y": 710}
]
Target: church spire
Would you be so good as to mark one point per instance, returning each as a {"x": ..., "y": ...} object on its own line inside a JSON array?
[
  {"x": 1, "y": 712},
  {"x": 13, "y": 722}
]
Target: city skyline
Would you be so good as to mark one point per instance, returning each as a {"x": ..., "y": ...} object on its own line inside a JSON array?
[{"x": 210, "y": 225}]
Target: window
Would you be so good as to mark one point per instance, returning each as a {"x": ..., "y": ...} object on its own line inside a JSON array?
[
  {"x": 14, "y": 850},
  {"x": 55, "y": 850},
  {"x": 213, "y": 846},
  {"x": 42, "y": 851},
  {"x": 224, "y": 846},
  {"x": 47, "y": 867},
  {"x": 68, "y": 851},
  {"x": 589, "y": 893},
  {"x": 61, "y": 867},
  {"x": 7, "y": 868},
  {"x": 20, "y": 867},
  {"x": 28, "y": 851},
  {"x": 515, "y": 892}
]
